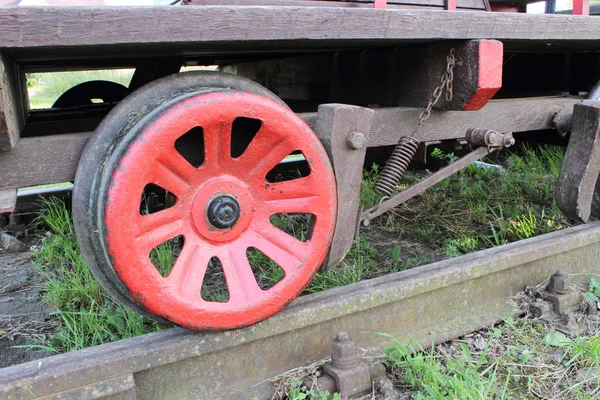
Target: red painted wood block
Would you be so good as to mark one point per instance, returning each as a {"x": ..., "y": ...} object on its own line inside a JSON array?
[
  {"x": 379, "y": 3},
  {"x": 581, "y": 7},
  {"x": 450, "y": 4},
  {"x": 489, "y": 57}
]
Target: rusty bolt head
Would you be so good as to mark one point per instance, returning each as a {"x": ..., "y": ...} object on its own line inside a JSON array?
[
  {"x": 559, "y": 283},
  {"x": 343, "y": 353},
  {"x": 355, "y": 140},
  {"x": 509, "y": 140}
]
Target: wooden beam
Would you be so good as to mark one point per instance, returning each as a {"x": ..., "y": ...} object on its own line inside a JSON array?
[
  {"x": 53, "y": 159},
  {"x": 14, "y": 105},
  {"x": 462, "y": 4},
  {"x": 400, "y": 77},
  {"x": 42, "y": 160},
  {"x": 32, "y": 32},
  {"x": 511, "y": 115}
]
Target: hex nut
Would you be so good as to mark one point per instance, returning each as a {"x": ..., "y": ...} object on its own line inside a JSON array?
[
  {"x": 343, "y": 353},
  {"x": 355, "y": 140},
  {"x": 559, "y": 283}
]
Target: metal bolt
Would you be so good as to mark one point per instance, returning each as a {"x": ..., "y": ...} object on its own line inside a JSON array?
[
  {"x": 559, "y": 283},
  {"x": 355, "y": 140},
  {"x": 509, "y": 140},
  {"x": 343, "y": 353}
]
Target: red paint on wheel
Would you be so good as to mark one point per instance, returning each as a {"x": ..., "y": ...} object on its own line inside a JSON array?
[
  {"x": 489, "y": 74},
  {"x": 152, "y": 158}
]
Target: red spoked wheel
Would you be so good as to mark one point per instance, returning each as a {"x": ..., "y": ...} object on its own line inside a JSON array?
[{"x": 212, "y": 153}]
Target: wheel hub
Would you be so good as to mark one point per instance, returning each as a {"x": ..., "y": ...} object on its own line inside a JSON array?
[{"x": 223, "y": 212}]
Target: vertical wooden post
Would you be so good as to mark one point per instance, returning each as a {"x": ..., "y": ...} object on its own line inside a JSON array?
[
  {"x": 581, "y": 7},
  {"x": 450, "y": 4},
  {"x": 379, "y": 3},
  {"x": 344, "y": 132},
  {"x": 576, "y": 193},
  {"x": 14, "y": 104}
]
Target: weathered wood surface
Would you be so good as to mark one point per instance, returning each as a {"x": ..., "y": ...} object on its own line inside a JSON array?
[
  {"x": 34, "y": 33},
  {"x": 53, "y": 159},
  {"x": 13, "y": 104},
  {"x": 502, "y": 115},
  {"x": 42, "y": 160},
  {"x": 401, "y": 77},
  {"x": 334, "y": 124},
  {"x": 460, "y": 4},
  {"x": 575, "y": 190}
]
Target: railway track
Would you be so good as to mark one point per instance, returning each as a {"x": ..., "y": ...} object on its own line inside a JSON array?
[{"x": 435, "y": 302}]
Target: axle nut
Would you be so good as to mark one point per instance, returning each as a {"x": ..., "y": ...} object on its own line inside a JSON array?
[{"x": 355, "y": 140}]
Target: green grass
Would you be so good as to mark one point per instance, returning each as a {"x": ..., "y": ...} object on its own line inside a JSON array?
[
  {"x": 56, "y": 83},
  {"x": 518, "y": 359},
  {"x": 479, "y": 207},
  {"x": 86, "y": 315},
  {"x": 472, "y": 210}
]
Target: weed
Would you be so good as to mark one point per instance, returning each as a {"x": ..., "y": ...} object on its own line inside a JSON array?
[
  {"x": 520, "y": 358},
  {"x": 86, "y": 315},
  {"x": 298, "y": 391},
  {"x": 480, "y": 206}
]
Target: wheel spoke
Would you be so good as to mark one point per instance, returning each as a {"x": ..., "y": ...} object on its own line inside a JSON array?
[
  {"x": 168, "y": 175},
  {"x": 175, "y": 162},
  {"x": 287, "y": 251},
  {"x": 188, "y": 272},
  {"x": 264, "y": 152},
  {"x": 217, "y": 145},
  {"x": 241, "y": 283},
  {"x": 297, "y": 195},
  {"x": 157, "y": 228}
]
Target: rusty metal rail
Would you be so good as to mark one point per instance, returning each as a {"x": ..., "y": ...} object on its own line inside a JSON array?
[{"x": 434, "y": 302}]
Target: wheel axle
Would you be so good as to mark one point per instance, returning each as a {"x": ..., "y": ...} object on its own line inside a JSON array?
[{"x": 223, "y": 212}]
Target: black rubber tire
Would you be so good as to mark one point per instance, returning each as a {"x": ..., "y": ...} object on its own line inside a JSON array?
[
  {"x": 82, "y": 94},
  {"x": 105, "y": 148}
]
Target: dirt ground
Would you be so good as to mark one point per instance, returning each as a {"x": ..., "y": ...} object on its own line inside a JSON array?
[{"x": 22, "y": 315}]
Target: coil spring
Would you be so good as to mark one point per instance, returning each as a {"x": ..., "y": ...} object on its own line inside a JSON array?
[{"x": 396, "y": 165}]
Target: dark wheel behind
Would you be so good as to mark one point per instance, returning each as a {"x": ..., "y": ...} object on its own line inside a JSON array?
[{"x": 84, "y": 94}]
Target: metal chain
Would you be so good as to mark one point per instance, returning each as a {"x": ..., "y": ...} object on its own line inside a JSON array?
[{"x": 445, "y": 83}]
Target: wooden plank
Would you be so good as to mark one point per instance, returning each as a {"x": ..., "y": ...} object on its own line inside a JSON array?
[
  {"x": 13, "y": 102},
  {"x": 42, "y": 160},
  {"x": 461, "y": 4},
  {"x": 8, "y": 200},
  {"x": 53, "y": 159},
  {"x": 514, "y": 115},
  {"x": 174, "y": 30}
]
